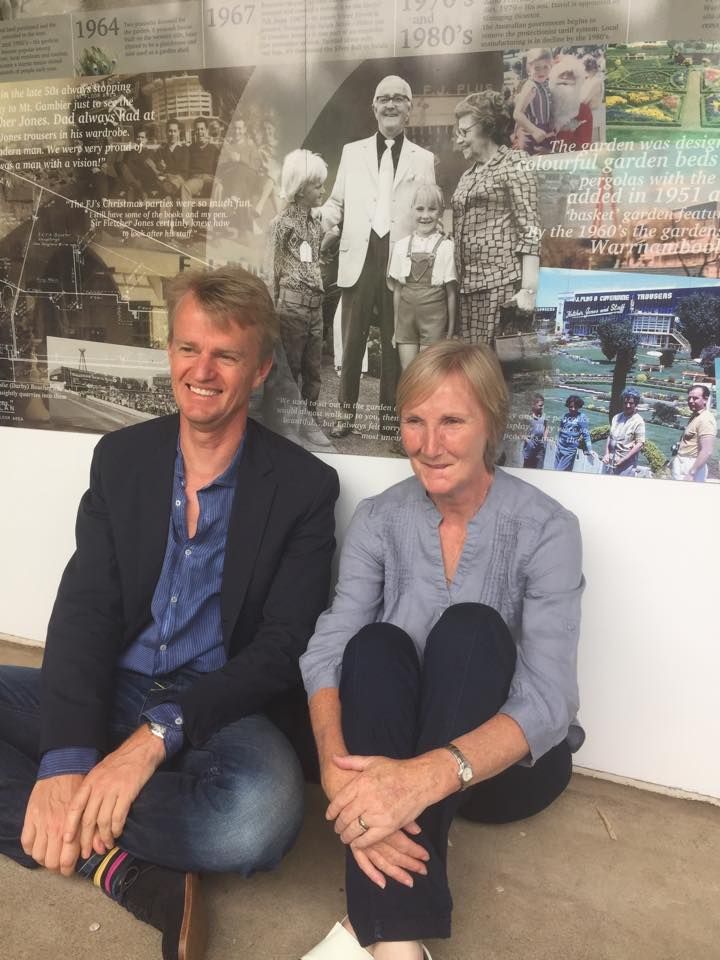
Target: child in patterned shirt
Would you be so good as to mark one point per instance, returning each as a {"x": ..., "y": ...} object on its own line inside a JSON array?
[{"x": 292, "y": 271}]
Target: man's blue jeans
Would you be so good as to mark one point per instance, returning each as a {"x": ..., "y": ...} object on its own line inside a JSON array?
[{"x": 235, "y": 805}]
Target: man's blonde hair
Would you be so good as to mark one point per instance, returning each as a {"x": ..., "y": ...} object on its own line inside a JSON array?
[{"x": 228, "y": 295}]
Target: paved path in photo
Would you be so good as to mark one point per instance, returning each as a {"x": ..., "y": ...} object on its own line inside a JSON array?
[{"x": 690, "y": 114}]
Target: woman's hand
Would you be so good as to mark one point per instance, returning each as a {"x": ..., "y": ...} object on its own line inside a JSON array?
[
  {"x": 333, "y": 779},
  {"x": 525, "y": 300},
  {"x": 387, "y": 794},
  {"x": 397, "y": 857}
]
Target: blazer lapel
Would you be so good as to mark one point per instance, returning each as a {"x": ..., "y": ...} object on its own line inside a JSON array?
[
  {"x": 404, "y": 161},
  {"x": 370, "y": 154},
  {"x": 155, "y": 478},
  {"x": 254, "y": 494}
]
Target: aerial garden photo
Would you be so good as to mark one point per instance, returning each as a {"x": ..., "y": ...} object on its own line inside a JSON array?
[{"x": 662, "y": 89}]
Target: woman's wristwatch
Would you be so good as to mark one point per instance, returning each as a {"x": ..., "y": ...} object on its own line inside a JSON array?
[{"x": 465, "y": 771}]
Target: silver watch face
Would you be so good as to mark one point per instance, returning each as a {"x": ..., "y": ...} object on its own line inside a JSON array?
[
  {"x": 157, "y": 729},
  {"x": 466, "y": 775}
]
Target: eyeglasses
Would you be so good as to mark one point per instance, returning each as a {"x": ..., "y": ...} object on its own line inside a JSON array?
[
  {"x": 397, "y": 98},
  {"x": 462, "y": 132}
]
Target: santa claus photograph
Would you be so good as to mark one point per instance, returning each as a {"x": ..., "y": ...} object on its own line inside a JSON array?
[{"x": 556, "y": 96}]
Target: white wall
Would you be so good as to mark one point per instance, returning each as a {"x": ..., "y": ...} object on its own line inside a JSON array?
[{"x": 650, "y": 648}]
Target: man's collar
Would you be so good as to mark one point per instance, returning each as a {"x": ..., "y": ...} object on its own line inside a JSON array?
[
  {"x": 397, "y": 140},
  {"x": 227, "y": 478}
]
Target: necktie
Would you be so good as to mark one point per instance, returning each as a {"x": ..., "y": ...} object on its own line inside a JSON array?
[{"x": 386, "y": 175}]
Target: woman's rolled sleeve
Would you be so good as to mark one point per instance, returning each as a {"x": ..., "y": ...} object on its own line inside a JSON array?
[
  {"x": 357, "y": 601},
  {"x": 543, "y": 696}
]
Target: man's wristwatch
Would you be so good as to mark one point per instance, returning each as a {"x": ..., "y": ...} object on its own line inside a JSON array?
[
  {"x": 465, "y": 771},
  {"x": 157, "y": 729}
]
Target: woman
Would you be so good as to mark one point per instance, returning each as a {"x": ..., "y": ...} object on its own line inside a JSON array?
[
  {"x": 447, "y": 659},
  {"x": 574, "y": 427},
  {"x": 626, "y": 437},
  {"x": 495, "y": 219}
]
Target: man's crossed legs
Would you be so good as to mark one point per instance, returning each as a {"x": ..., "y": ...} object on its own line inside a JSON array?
[{"x": 234, "y": 805}]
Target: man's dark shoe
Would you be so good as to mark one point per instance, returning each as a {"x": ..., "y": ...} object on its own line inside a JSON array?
[
  {"x": 341, "y": 429},
  {"x": 171, "y": 902}
]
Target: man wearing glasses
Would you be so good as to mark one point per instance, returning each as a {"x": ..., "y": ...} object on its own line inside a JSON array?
[{"x": 370, "y": 208}]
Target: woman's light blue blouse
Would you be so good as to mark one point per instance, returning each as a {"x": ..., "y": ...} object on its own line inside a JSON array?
[{"x": 522, "y": 556}]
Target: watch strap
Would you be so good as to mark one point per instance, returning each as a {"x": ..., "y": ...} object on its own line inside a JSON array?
[
  {"x": 465, "y": 771},
  {"x": 158, "y": 730}
]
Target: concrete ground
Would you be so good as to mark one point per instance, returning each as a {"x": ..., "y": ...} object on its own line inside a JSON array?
[{"x": 608, "y": 873}]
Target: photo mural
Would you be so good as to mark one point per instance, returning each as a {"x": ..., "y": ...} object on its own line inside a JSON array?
[{"x": 554, "y": 191}]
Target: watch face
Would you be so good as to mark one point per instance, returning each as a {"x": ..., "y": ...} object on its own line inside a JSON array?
[{"x": 466, "y": 775}]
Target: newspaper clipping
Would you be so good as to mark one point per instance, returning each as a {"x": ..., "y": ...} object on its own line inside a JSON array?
[{"x": 542, "y": 177}]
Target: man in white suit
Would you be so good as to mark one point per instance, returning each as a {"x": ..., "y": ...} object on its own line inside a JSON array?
[{"x": 371, "y": 203}]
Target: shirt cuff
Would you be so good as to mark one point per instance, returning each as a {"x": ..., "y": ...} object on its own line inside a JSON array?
[
  {"x": 55, "y": 763},
  {"x": 170, "y": 716}
]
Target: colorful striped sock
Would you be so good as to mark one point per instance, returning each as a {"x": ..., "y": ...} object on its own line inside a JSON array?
[{"x": 107, "y": 870}]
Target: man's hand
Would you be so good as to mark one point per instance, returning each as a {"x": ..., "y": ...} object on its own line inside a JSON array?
[
  {"x": 99, "y": 809},
  {"x": 330, "y": 242},
  {"x": 42, "y": 833}
]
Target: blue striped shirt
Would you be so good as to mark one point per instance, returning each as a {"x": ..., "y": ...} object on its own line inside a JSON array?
[{"x": 185, "y": 629}]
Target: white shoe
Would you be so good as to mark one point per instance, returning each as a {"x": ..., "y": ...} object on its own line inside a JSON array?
[{"x": 339, "y": 944}]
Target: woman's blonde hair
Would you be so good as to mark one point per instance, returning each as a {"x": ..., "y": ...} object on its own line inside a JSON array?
[{"x": 480, "y": 367}]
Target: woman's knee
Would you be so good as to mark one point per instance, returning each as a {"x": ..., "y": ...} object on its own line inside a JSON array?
[
  {"x": 378, "y": 647},
  {"x": 472, "y": 626}
]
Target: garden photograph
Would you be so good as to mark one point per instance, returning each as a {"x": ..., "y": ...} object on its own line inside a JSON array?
[
  {"x": 663, "y": 89},
  {"x": 659, "y": 342}
]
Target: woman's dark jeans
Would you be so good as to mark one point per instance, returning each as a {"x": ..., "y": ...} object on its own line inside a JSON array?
[{"x": 393, "y": 707}]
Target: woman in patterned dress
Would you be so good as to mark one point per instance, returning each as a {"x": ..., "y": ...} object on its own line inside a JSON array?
[{"x": 495, "y": 219}]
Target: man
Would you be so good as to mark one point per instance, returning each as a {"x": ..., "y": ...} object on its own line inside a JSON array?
[
  {"x": 139, "y": 167},
  {"x": 535, "y": 443},
  {"x": 376, "y": 181},
  {"x": 202, "y": 162},
  {"x": 570, "y": 118},
  {"x": 174, "y": 162},
  {"x": 698, "y": 440},
  {"x": 174, "y": 159},
  {"x": 202, "y": 562}
]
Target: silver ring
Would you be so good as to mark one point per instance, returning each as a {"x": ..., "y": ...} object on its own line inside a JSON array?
[{"x": 363, "y": 826}]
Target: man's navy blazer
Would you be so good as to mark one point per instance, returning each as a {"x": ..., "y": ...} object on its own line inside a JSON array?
[{"x": 275, "y": 583}]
